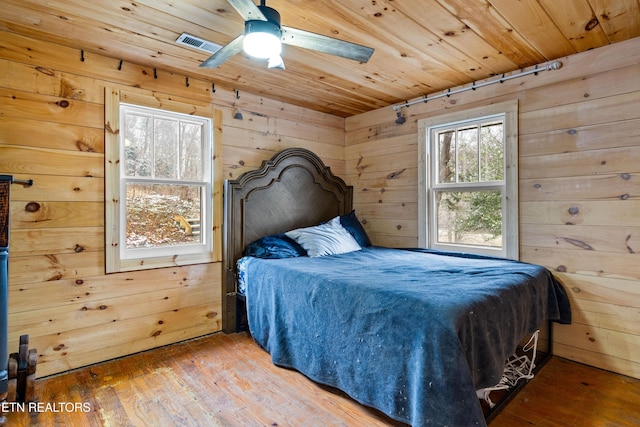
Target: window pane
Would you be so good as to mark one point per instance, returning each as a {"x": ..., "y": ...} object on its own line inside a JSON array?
[
  {"x": 191, "y": 167},
  {"x": 166, "y": 148},
  {"x": 492, "y": 152},
  {"x": 469, "y": 217},
  {"x": 162, "y": 215},
  {"x": 138, "y": 141},
  {"x": 467, "y": 163},
  {"x": 446, "y": 157}
]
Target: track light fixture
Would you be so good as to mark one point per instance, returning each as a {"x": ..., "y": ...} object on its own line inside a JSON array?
[{"x": 555, "y": 65}]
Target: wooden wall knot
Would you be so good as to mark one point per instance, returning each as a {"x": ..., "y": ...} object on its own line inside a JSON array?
[
  {"x": 394, "y": 175},
  {"x": 629, "y": 248},
  {"x": 45, "y": 71},
  {"x": 83, "y": 146},
  {"x": 32, "y": 207},
  {"x": 575, "y": 242},
  {"x": 591, "y": 24},
  {"x": 101, "y": 307},
  {"x": 108, "y": 128},
  {"x": 52, "y": 259}
]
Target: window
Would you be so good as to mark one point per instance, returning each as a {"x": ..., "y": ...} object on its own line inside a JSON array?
[
  {"x": 469, "y": 181},
  {"x": 161, "y": 204}
]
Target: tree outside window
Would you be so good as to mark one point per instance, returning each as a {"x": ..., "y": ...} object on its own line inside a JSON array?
[
  {"x": 470, "y": 154},
  {"x": 165, "y": 177}
]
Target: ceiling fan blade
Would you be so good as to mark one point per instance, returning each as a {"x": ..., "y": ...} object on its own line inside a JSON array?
[
  {"x": 227, "y": 51},
  {"x": 330, "y": 45},
  {"x": 248, "y": 10}
]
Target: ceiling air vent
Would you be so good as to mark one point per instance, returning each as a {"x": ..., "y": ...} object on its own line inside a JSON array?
[{"x": 197, "y": 43}]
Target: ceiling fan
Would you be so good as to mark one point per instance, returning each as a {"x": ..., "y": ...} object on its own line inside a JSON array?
[{"x": 263, "y": 37}]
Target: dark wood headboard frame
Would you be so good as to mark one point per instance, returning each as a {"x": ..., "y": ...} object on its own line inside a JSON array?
[{"x": 294, "y": 189}]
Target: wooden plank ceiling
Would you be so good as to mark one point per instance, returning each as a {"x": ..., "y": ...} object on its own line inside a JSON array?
[{"x": 421, "y": 46}]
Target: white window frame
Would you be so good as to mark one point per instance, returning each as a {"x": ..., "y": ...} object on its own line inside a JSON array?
[
  {"x": 118, "y": 257},
  {"x": 427, "y": 222}
]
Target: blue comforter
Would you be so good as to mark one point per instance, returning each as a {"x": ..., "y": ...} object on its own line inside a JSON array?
[{"x": 411, "y": 333}]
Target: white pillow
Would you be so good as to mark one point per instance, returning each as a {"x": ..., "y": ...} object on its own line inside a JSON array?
[{"x": 330, "y": 238}]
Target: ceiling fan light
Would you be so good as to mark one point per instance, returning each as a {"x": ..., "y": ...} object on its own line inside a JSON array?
[
  {"x": 262, "y": 44},
  {"x": 262, "y": 38}
]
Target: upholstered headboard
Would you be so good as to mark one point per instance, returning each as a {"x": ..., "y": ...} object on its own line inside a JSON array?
[{"x": 294, "y": 189}]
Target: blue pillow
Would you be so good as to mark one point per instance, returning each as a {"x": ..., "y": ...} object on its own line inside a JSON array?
[
  {"x": 354, "y": 227},
  {"x": 275, "y": 247}
]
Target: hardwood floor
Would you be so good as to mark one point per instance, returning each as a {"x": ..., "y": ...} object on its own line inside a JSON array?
[{"x": 227, "y": 380}]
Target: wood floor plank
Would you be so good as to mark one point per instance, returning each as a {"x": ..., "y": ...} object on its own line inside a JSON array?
[
  {"x": 228, "y": 380},
  {"x": 566, "y": 393}
]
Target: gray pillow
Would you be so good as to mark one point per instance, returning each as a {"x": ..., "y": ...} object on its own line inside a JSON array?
[{"x": 330, "y": 238}]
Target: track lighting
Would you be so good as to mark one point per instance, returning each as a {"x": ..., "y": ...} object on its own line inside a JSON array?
[
  {"x": 555, "y": 65},
  {"x": 400, "y": 119}
]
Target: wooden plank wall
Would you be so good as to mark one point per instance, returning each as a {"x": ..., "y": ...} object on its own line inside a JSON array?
[
  {"x": 579, "y": 189},
  {"x": 52, "y": 131}
]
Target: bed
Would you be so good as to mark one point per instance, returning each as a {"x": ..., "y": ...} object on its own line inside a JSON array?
[{"x": 413, "y": 333}]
